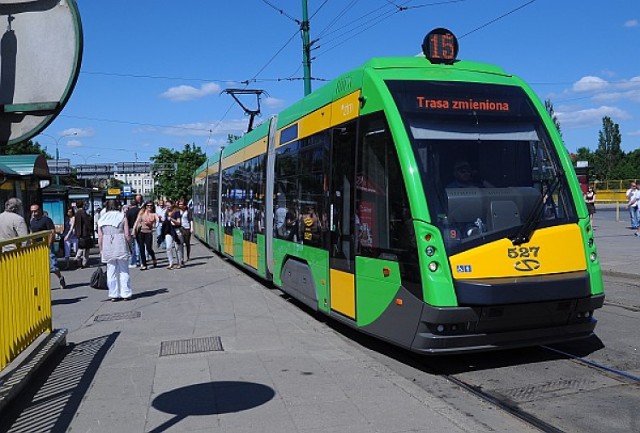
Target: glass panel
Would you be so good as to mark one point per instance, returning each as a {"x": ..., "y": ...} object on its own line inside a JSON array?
[{"x": 485, "y": 166}]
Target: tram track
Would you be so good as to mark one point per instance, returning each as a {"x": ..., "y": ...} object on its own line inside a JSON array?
[
  {"x": 504, "y": 404},
  {"x": 594, "y": 364}
]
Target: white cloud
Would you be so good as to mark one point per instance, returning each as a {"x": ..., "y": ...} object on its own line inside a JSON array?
[
  {"x": 274, "y": 102},
  {"x": 74, "y": 143},
  {"x": 78, "y": 132},
  {"x": 631, "y": 23},
  {"x": 589, "y": 84},
  {"x": 189, "y": 93},
  {"x": 607, "y": 92},
  {"x": 589, "y": 117}
]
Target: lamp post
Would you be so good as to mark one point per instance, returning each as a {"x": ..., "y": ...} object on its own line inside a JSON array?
[
  {"x": 57, "y": 140},
  {"x": 86, "y": 158}
]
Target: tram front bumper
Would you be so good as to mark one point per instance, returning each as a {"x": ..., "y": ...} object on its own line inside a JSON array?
[{"x": 475, "y": 329}]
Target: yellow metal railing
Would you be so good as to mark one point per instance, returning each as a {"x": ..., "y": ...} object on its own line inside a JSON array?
[{"x": 25, "y": 297}]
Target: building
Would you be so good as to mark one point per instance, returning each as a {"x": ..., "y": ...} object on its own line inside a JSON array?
[{"x": 138, "y": 175}]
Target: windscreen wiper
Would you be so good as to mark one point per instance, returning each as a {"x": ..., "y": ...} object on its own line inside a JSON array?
[{"x": 531, "y": 223}]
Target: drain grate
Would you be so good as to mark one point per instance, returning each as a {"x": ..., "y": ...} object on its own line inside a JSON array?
[
  {"x": 117, "y": 316},
  {"x": 191, "y": 345}
]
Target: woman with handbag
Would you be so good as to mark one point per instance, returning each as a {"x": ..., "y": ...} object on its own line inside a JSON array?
[
  {"x": 143, "y": 230},
  {"x": 69, "y": 235},
  {"x": 171, "y": 235},
  {"x": 113, "y": 239},
  {"x": 185, "y": 230}
]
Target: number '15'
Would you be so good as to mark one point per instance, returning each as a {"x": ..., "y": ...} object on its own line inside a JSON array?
[{"x": 442, "y": 46}]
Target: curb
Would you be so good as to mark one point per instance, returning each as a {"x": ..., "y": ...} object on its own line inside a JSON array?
[
  {"x": 610, "y": 273},
  {"x": 18, "y": 378}
]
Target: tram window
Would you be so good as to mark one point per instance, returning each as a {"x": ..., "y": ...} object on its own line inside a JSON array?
[{"x": 299, "y": 207}]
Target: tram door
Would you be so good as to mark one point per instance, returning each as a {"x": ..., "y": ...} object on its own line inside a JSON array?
[{"x": 342, "y": 252}]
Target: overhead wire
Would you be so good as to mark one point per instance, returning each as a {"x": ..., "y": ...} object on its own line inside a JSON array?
[{"x": 383, "y": 13}]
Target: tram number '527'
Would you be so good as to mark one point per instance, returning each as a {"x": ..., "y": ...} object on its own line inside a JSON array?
[{"x": 523, "y": 252}]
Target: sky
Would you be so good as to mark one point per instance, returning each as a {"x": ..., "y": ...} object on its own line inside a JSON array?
[{"x": 153, "y": 72}]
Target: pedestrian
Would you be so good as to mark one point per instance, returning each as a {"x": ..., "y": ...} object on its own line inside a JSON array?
[
  {"x": 139, "y": 201},
  {"x": 144, "y": 231},
  {"x": 69, "y": 235},
  {"x": 633, "y": 209},
  {"x": 132, "y": 215},
  {"x": 590, "y": 200},
  {"x": 12, "y": 223},
  {"x": 83, "y": 228},
  {"x": 40, "y": 222},
  {"x": 170, "y": 234},
  {"x": 186, "y": 227},
  {"x": 96, "y": 218},
  {"x": 113, "y": 240},
  {"x": 161, "y": 212}
]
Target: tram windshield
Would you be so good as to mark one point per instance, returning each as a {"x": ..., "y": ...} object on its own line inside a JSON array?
[{"x": 487, "y": 164}]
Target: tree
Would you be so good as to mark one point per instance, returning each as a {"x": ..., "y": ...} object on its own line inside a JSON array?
[
  {"x": 609, "y": 155},
  {"x": 24, "y": 148},
  {"x": 174, "y": 171},
  {"x": 549, "y": 106}
]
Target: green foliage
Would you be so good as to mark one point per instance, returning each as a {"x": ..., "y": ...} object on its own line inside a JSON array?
[
  {"x": 608, "y": 158},
  {"x": 24, "y": 148},
  {"x": 115, "y": 183},
  {"x": 174, "y": 171},
  {"x": 549, "y": 106}
]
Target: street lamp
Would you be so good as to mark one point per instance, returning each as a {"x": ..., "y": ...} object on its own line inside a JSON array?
[
  {"x": 57, "y": 140},
  {"x": 85, "y": 158}
]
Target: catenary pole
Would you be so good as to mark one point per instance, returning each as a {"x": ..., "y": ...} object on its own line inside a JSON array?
[{"x": 306, "y": 48}]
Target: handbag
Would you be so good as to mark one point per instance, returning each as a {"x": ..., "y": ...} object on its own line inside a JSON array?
[
  {"x": 99, "y": 279},
  {"x": 85, "y": 243}
]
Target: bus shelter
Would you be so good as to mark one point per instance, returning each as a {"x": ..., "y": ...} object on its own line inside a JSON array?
[{"x": 23, "y": 177}]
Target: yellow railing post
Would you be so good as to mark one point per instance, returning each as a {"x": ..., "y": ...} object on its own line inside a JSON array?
[{"x": 25, "y": 293}]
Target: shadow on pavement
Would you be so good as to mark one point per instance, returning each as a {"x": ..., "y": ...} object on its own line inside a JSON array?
[
  {"x": 50, "y": 403},
  {"x": 210, "y": 399},
  {"x": 68, "y": 301},
  {"x": 149, "y": 293}
]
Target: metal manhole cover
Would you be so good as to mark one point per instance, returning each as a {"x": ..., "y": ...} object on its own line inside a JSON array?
[
  {"x": 191, "y": 345},
  {"x": 117, "y": 316}
]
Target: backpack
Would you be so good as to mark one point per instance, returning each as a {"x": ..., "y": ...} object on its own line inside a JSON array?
[{"x": 99, "y": 279}]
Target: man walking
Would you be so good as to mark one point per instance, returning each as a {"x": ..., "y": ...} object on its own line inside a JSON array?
[
  {"x": 84, "y": 229},
  {"x": 12, "y": 224},
  {"x": 39, "y": 223},
  {"x": 132, "y": 216}
]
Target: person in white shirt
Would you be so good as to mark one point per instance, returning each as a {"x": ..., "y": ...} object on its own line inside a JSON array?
[{"x": 633, "y": 209}]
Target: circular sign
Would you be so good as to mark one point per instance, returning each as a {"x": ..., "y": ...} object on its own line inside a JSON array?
[
  {"x": 40, "y": 56},
  {"x": 440, "y": 46}
]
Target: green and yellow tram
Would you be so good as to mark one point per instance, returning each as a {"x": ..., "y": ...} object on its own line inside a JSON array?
[{"x": 427, "y": 201}]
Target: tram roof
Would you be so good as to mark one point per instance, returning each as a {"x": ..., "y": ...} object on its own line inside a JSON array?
[{"x": 401, "y": 66}]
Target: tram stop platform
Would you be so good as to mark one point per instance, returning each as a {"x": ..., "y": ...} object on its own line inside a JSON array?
[{"x": 209, "y": 348}]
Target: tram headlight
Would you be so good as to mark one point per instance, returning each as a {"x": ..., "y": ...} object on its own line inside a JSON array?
[
  {"x": 430, "y": 251},
  {"x": 433, "y": 266},
  {"x": 593, "y": 257},
  {"x": 591, "y": 242}
]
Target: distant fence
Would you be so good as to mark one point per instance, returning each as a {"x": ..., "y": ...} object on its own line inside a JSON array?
[{"x": 25, "y": 293}]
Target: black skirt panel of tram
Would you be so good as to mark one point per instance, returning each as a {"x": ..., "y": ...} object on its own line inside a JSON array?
[
  {"x": 500, "y": 291},
  {"x": 297, "y": 281},
  {"x": 399, "y": 321},
  {"x": 480, "y": 328}
]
